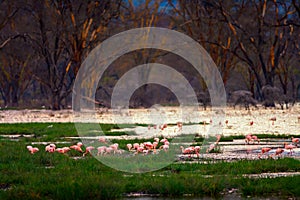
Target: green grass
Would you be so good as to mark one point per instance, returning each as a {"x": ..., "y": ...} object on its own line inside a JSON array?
[
  {"x": 51, "y": 131},
  {"x": 55, "y": 176}
]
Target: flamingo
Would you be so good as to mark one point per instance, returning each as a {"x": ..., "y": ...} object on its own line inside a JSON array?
[
  {"x": 136, "y": 146},
  {"x": 295, "y": 140},
  {"x": 140, "y": 149},
  {"x": 88, "y": 150},
  {"x": 179, "y": 125},
  {"x": 102, "y": 140},
  {"x": 255, "y": 138},
  {"x": 155, "y": 144},
  {"x": 188, "y": 150},
  {"x": 273, "y": 119},
  {"x": 101, "y": 150},
  {"x": 197, "y": 150},
  {"x": 77, "y": 147},
  {"x": 264, "y": 150},
  {"x": 218, "y": 138},
  {"x": 66, "y": 149},
  {"x": 226, "y": 122},
  {"x": 108, "y": 150},
  {"x": 156, "y": 139},
  {"x": 148, "y": 145},
  {"x": 211, "y": 147},
  {"x": 115, "y": 147},
  {"x": 59, "y": 150},
  {"x": 165, "y": 147},
  {"x": 248, "y": 138},
  {"x": 289, "y": 147},
  {"x": 32, "y": 150},
  {"x": 50, "y": 148},
  {"x": 167, "y": 143},
  {"x": 163, "y": 140},
  {"x": 145, "y": 151},
  {"x": 62, "y": 150},
  {"x": 279, "y": 151},
  {"x": 129, "y": 146}
]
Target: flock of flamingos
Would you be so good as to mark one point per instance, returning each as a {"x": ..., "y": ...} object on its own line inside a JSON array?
[{"x": 161, "y": 145}]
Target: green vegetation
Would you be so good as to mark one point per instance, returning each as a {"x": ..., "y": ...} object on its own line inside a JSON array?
[
  {"x": 56, "y": 176},
  {"x": 57, "y": 131}
]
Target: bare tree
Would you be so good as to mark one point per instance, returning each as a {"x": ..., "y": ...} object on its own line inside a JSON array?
[
  {"x": 201, "y": 21},
  {"x": 262, "y": 41},
  {"x": 66, "y": 31},
  {"x": 15, "y": 61}
]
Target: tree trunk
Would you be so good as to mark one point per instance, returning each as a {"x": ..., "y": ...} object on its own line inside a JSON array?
[{"x": 55, "y": 102}]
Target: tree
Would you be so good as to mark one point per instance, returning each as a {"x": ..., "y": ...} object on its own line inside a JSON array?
[
  {"x": 15, "y": 61},
  {"x": 14, "y": 74},
  {"x": 135, "y": 15},
  {"x": 201, "y": 21},
  {"x": 262, "y": 40},
  {"x": 66, "y": 31}
]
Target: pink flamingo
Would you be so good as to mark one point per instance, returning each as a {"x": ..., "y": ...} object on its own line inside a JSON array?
[
  {"x": 136, "y": 146},
  {"x": 264, "y": 150},
  {"x": 188, "y": 150},
  {"x": 211, "y": 147},
  {"x": 156, "y": 139},
  {"x": 289, "y": 147},
  {"x": 218, "y": 138},
  {"x": 115, "y": 147},
  {"x": 88, "y": 150},
  {"x": 129, "y": 146},
  {"x": 148, "y": 145},
  {"x": 108, "y": 150},
  {"x": 278, "y": 151},
  {"x": 77, "y": 147},
  {"x": 66, "y": 149},
  {"x": 62, "y": 150},
  {"x": 50, "y": 148},
  {"x": 197, "y": 150},
  {"x": 273, "y": 119},
  {"x": 167, "y": 143},
  {"x": 101, "y": 150},
  {"x": 248, "y": 138},
  {"x": 32, "y": 150},
  {"x": 102, "y": 140},
  {"x": 295, "y": 140},
  {"x": 254, "y": 138},
  {"x": 155, "y": 144},
  {"x": 165, "y": 147},
  {"x": 163, "y": 140},
  {"x": 179, "y": 126},
  {"x": 140, "y": 149}
]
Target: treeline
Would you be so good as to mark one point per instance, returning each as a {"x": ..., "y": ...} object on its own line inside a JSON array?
[{"x": 43, "y": 44}]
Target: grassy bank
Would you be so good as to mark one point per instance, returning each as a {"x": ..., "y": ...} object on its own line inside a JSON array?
[{"x": 56, "y": 176}]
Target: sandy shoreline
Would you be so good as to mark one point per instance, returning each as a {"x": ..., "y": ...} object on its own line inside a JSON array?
[{"x": 287, "y": 121}]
